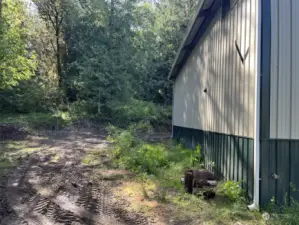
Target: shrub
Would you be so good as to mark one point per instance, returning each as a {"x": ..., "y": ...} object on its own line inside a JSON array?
[
  {"x": 151, "y": 158},
  {"x": 166, "y": 160},
  {"x": 123, "y": 142},
  {"x": 232, "y": 190},
  {"x": 30, "y": 97},
  {"x": 80, "y": 109},
  {"x": 134, "y": 111},
  {"x": 193, "y": 155}
]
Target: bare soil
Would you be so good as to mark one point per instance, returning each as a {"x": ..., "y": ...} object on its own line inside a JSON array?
[{"x": 66, "y": 178}]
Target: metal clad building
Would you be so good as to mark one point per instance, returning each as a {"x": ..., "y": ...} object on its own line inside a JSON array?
[
  {"x": 280, "y": 98},
  {"x": 235, "y": 93}
]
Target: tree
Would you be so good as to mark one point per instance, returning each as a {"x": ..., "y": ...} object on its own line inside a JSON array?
[
  {"x": 99, "y": 51},
  {"x": 17, "y": 60},
  {"x": 162, "y": 28},
  {"x": 52, "y": 12}
]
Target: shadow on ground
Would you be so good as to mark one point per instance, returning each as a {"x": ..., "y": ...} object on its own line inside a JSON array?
[{"x": 62, "y": 178}]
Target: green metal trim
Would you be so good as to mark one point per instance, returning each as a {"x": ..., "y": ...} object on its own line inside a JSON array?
[
  {"x": 280, "y": 157},
  {"x": 265, "y": 69},
  {"x": 232, "y": 155}
]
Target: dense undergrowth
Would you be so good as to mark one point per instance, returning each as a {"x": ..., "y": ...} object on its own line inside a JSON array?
[
  {"x": 120, "y": 115},
  {"x": 159, "y": 168}
]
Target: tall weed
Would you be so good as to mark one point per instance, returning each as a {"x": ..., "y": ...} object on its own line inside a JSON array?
[
  {"x": 232, "y": 190},
  {"x": 136, "y": 155}
]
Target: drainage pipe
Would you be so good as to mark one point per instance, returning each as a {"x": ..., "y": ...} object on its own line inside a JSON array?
[{"x": 256, "y": 188}]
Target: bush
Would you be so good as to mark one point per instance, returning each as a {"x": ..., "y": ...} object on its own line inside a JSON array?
[
  {"x": 150, "y": 158},
  {"x": 232, "y": 190},
  {"x": 30, "y": 97},
  {"x": 134, "y": 111},
  {"x": 158, "y": 159},
  {"x": 80, "y": 109}
]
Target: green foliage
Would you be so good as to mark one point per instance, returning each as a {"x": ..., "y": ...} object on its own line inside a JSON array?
[
  {"x": 30, "y": 96},
  {"x": 17, "y": 60},
  {"x": 286, "y": 212},
  {"x": 160, "y": 166},
  {"x": 107, "y": 59},
  {"x": 133, "y": 111},
  {"x": 157, "y": 159},
  {"x": 49, "y": 121},
  {"x": 194, "y": 155},
  {"x": 148, "y": 158},
  {"x": 232, "y": 190}
]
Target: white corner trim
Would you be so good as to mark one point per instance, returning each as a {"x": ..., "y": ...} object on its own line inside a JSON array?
[{"x": 256, "y": 168}]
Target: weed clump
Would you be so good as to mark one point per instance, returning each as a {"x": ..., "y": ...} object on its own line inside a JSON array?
[
  {"x": 284, "y": 213},
  {"x": 157, "y": 159},
  {"x": 232, "y": 190}
]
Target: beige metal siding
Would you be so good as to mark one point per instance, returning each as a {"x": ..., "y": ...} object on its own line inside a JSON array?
[
  {"x": 228, "y": 105},
  {"x": 284, "y": 103}
]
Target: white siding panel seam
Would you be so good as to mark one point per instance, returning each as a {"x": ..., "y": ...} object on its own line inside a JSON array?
[{"x": 291, "y": 67}]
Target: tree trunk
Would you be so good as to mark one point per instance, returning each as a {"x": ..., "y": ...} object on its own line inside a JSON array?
[
  {"x": 0, "y": 10},
  {"x": 58, "y": 60}
]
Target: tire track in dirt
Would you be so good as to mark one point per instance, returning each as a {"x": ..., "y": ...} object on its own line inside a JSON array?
[{"x": 65, "y": 192}]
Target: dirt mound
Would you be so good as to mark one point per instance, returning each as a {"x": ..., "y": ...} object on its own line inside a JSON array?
[{"x": 12, "y": 132}]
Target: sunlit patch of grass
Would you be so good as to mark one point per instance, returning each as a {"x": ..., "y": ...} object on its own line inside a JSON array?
[
  {"x": 112, "y": 175},
  {"x": 95, "y": 157},
  {"x": 134, "y": 193},
  {"x": 16, "y": 145},
  {"x": 91, "y": 160},
  {"x": 217, "y": 211},
  {"x": 23, "y": 152},
  {"x": 19, "y": 148},
  {"x": 6, "y": 163},
  {"x": 40, "y": 121},
  {"x": 55, "y": 158}
]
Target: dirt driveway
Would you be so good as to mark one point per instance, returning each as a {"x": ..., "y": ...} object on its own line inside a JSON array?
[{"x": 65, "y": 178}]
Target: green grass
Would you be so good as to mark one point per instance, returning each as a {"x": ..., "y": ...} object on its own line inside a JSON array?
[
  {"x": 161, "y": 165},
  {"x": 194, "y": 209},
  {"x": 6, "y": 162},
  {"x": 38, "y": 120}
]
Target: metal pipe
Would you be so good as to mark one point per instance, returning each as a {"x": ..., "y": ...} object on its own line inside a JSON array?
[{"x": 255, "y": 204}]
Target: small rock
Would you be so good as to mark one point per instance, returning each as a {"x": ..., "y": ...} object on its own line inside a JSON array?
[{"x": 266, "y": 216}]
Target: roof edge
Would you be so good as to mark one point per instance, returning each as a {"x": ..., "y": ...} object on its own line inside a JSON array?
[{"x": 185, "y": 48}]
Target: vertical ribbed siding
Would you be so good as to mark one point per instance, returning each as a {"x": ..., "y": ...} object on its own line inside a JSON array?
[
  {"x": 228, "y": 105},
  {"x": 280, "y": 157},
  {"x": 284, "y": 107},
  {"x": 295, "y": 70},
  {"x": 279, "y": 150},
  {"x": 228, "y": 156}
]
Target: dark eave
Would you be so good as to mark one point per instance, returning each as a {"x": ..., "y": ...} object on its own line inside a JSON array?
[{"x": 207, "y": 10}]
